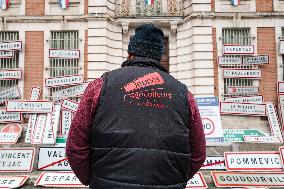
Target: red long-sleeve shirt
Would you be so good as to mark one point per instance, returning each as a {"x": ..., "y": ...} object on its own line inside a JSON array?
[{"x": 78, "y": 142}]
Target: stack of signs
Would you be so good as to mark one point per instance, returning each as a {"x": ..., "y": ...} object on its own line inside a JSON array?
[
  {"x": 268, "y": 164},
  {"x": 10, "y": 133},
  {"x": 211, "y": 120}
]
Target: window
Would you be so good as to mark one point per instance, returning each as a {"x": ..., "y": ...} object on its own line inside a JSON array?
[
  {"x": 63, "y": 67},
  {"x": 238, "y": 37},
  {"x": 9, "y": 63}
]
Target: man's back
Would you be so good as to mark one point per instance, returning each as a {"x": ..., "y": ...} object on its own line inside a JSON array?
[{"x": 140, "y": 135}]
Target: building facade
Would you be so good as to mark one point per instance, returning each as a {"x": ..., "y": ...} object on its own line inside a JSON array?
[{"x": 195, "y": 31}]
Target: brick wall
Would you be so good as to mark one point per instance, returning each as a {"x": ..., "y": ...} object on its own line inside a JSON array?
[
  {"x": 264, "y": 5},
  {"x": 35, "y": 7},
  {"x": 215, "y": 62},
  {"x": 266, "y": 45},
  {"x": 85, "y": 6},
  {"x": 86, "y": 56},
  {"x": 34, "y": 61},
  {"x": 213, "y": 5}
]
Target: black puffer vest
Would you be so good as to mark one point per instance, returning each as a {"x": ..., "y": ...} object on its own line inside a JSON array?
[{"x": 140, "y": 131}]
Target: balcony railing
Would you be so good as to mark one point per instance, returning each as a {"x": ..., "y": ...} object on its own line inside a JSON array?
[{"x": 139, "y": 8}]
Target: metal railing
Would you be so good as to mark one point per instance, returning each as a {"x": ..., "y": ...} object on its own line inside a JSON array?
[
  {"x": 9, "y": 63},
  {"x": 139, "y": 8}
]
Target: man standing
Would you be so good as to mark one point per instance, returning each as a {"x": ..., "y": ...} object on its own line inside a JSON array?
[{"x": 137, "y": 127}]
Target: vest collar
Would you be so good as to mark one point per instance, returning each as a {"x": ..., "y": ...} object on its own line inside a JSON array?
[{"x": 144, "y": 62}]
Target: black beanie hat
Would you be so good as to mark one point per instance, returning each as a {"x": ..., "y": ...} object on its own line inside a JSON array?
[{"x": 147, "y": 42}]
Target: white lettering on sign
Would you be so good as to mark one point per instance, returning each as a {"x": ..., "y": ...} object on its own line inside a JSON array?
[
  {"x": 9, "y": 138},
  {"x": 16, "y": 159},
  {"x": 50, "y": 159},
  {"x": 11, "y": 45},
  {"x": 251, "y": 99},
  {"x": 58, "y": 179},
  {"x": 256, "y": 60},
  {"x": 29, "y": 106},
  {"x": 67, "y": 54},
  {"x": 35, "y": 93},
  {"x": 243, "y": 108},
  {"x": 214, "y": 163},
  {"x": 8, "y": 117},
  {"x": 262, "y": 139},
  {"x": 50, "y": 133},
  {"x": 66, "y": 118},
  {"x": 10, "y": 74},
  {"x": 12, "y": 181},
  {"x": 242, "y": 73},
  {"x": 273, "y": 121},
  {"x": 281, "y": 150},
  {"x": 280, "y": 87},
  {"x": 64, "y": 81},
  {"x": 238, "y": 49},
  {"x": 236, "y": 179},
  {"x": 39, "y": 129},
  {"x": 196, "y": 181},
  {"x": 281, "y": 109},
  {"x": 70, "y": 105},
  {"x": 9, "y": 93},
  {"x": 227, "y": 61},
  {"x": 30, "y": 128},
  {"x": 69, "y": 92},
  {"x": 6, "y": 54},
  {"x": 243, "y": 90},
  {"x": 253, "y": 161}
]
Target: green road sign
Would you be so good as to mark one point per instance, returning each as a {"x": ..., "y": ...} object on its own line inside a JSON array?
[
  {"x": 61, "y": 140},
  {"x": 236, "y": 135}
]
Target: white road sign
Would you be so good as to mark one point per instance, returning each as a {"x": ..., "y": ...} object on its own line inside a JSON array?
[
  {"x": 12, "y": 181},
  {"x": 273, "y": 121},
  {"x": 64, "y": 81},
  {"x": 253, "y": 161},
  {"x": 69, "y": 92},
  {"x": 262, "y": 139},
  {"x": 16, "y": 159},
  {"x": 11, "y": 45},
  {"x": 256, "y": 60},
  {"x": 237, "y": 179},
  {"x": 9, "y": 138},
  {"x": 242, "y": 73},
  {"x": 243, "y": 108},
  {"x": 29, "y": 106},
  {"x": 70, "y": 105},
  {"x": 238, "y": 49},
  {"x": 281, "y": 109},
  {"x": 66, "y": 118},
  {"x": 6, "y": 54},
  {"x": 12, "y": 92},
  {"x": 228, "y": 61},
  {"x": 197, "y": 181},
  {"x": 50, "y": 133},
  {"x": 35, "y": 93},
  {"x": 9, "y": 117},
  {"x": 39, "y": 129},
  {"x": 214, "y": 163},
  {"x": 243, "y": 90},
  {"x": 10, "y": 74},
  {"x": 251, "y": 99},
  {"x": 58, "y": 179},
  {"x": 281, "y": 150},
  {"x": 64, "y": 54},
  {"x": 50, "y": 159},
  {"x": 211, "y": 120}
]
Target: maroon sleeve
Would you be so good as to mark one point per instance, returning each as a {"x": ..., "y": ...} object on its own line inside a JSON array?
[
  {"x": 196, "y": 138},
  {"x": 78, "y": 141}
]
